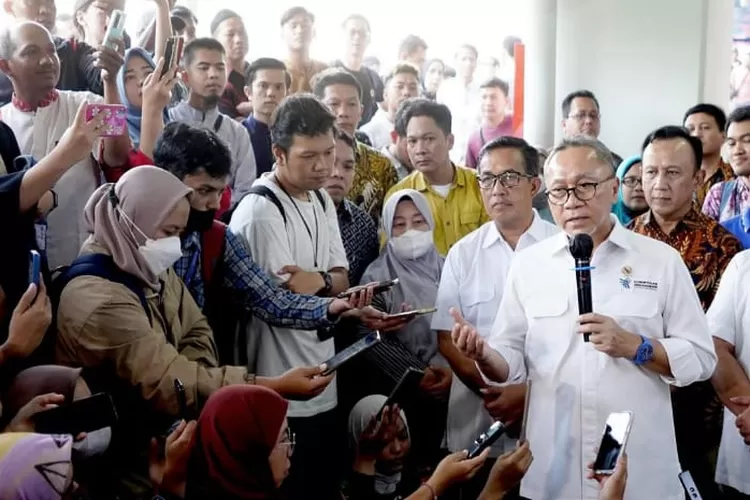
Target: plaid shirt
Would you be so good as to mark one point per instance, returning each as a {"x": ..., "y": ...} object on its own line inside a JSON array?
[
  {"x": 360, "y": 237},
  {"x": 274, "y": 305}
]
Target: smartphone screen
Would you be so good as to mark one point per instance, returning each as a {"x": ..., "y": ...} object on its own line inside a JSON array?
[
  {"x": 525, "y": 418},
  {"x": 85, "y": 415},
  {"x": 35, "y": 268},
  {"x": 352, "y": 351},
  {"x": 614, "y": 439}
]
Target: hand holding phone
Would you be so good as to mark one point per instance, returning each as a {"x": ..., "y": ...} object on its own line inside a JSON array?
[
  {"x": 379, "y": 287},
  {"x": 351, "y": 352},
  {"x": 115, "y": 34},
  {"x": 412, "y": 314},
  {"x": 486, "y": 440},
  {"x": 172, "y": 54},
  {"x": 84, "y": 415},
  {"x": 35, "y": 268},
  {"x": 613, "y": 443}
]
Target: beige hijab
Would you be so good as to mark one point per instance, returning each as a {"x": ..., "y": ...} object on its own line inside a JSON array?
[{"x": 146, "y": 195}]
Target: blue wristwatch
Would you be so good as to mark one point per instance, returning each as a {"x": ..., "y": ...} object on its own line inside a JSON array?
[{"x": 644, "y": 353}]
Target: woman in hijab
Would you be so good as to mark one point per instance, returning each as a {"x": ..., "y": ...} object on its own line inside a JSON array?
[
  {"x": 130, "y": 79},
  {"x": 631, "y": 202},
  {"x": 136, "y": 347},
  {"x": 377, "y": 472},
  {"x": 409, "y": 255},
  {"x": 35, "y": 466},
  {"x": 242, "y": 446},
  {"x": 433, "y": 74}
]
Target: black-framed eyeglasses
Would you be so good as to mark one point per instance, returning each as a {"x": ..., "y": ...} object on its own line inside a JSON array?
[
  {"x": 584, "y": 191},
  {"x": 632, "y": 182},
  {"x": 509, "y": 179},
  {"x": 289, "y": 441}
]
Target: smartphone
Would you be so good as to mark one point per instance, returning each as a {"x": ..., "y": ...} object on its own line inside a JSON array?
[
  {"x": 115, "y": 118},
  {"x": 408, "y": 383},
  {"x": 85, "y": 415},
  {"x": 352, "y": 351},
  {"x": 379, "y": 288},
  {"x": 172, "y": 53},
  {"x": 179, "y": 389},
  {"x": 412, "y": 314},
  {"x": 690, "y": 487},
  {"x": 35, "y": 268},
  {"x": 116, "y": 30},
  {"x": 614, "y": 440},
  {"x": 525, "y": 418},
  {"x": 486, "y": 440}
]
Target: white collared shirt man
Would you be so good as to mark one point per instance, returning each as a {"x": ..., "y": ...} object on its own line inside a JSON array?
[
  {"x": 647, "y": 332},
  {"x": 729, "y": 321},
  {"x": 464, "y": 285}
]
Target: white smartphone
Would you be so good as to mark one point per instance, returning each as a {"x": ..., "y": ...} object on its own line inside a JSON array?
[
  {"x": 614, "y": 441},
  {"x": 690, "y": 487},
  {"x": 115, "y": 30}
]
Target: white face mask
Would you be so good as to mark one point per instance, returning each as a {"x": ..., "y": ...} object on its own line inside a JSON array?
[
  {"x": 159, "y": 254},
  {"x": 95, "y": 443},
  {"x": 412, "y": 244}
]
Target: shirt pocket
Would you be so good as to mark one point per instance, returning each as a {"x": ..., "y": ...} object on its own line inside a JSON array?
[
  {"x": 479, "y": 304},
  {"x": 636, "y": 311},
  {"x": 549, "y": 331},
  {"x": 470, "y": 218}
]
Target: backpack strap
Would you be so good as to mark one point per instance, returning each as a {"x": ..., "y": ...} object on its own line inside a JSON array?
[
  {"x": 321, "y": 199},
  {"x": 727, "y": 188},
  {"x": 102, "y": 266},
  {"x": 266, "y": 193},
  {"x": 212, "y": 250}
]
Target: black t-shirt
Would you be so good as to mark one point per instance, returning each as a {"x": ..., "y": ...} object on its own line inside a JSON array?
[{"x": 372, "y": 90}]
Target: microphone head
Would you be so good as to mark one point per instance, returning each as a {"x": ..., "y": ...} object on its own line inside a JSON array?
[{"x": 581, "y": 246}]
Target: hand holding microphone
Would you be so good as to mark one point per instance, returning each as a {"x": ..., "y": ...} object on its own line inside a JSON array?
[{"x": 581, "y": 247}]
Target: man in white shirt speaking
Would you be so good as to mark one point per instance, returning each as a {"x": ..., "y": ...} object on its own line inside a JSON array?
[
  {"x": 509, "y": 179},
  {"x": 647, "y": 331}
]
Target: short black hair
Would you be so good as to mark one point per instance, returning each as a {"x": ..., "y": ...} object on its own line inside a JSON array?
[
  {"x": 184, "y": 149},
  {"x": 711, "y": 110},
  {"x": 578, "y": 94},
  {"x": 676, "y": 132},
  {"x": 184, "y": 13},
  {"x": 334, "y": 76},
  {"x": 496, "y": 83},
  {"x": 356, "y": 17},
  {"x": 300, "y": 114},
  {"x": 419, "y": 106},
  {"x": 410, "y": 45},
  {"x": 530, "y": 154},
  {"x": 293, "y": 12},
  {"x": 200, "y": 44},
  {"x": 342, "y": 135},
  {"x": 739, "y": 115},
  {"x": 400, "y": 69},
  {"x": 221, "y": 16},
  {"x": 266, "y": 63},
  {"x": 509, "y": 44}
]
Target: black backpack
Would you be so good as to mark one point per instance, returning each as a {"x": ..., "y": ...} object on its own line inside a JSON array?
[{"x": 268, "y": 194}]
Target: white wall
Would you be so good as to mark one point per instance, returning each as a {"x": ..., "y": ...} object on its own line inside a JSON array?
[{"x": 644, "y": 59}]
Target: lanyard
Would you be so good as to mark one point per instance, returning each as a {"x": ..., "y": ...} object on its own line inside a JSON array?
[
  {"x": 313, "y": 241},
  {"x": 192, "y": 268}
]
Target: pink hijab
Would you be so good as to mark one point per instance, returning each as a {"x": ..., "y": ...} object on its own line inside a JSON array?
[{"x": 146, "y": 195}]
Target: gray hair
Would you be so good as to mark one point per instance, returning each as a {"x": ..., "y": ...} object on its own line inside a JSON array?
[{"x": 602, "y": 152}]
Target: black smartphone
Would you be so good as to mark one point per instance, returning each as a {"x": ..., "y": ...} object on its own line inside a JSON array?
[
  {"x": 614, "y": 440},
  {"x": 179, "y": 389},
  {"x": 379, "y": 288},
  {"x": 351, "y": 352},
  {"x": 84, "y": 415},
  {"x": 486, "y": 440},
  {"x": 413, "y": 313},
  {"x": 407, "y": 384}
]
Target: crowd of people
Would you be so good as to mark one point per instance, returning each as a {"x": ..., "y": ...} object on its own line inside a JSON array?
[{"x": 201, "y": 267}]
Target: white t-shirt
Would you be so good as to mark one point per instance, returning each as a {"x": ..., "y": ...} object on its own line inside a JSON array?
[
  {"x": 273, "y": 245},
  {"x": 729, "y": 320},
  {"x": 464, "y": 285}
]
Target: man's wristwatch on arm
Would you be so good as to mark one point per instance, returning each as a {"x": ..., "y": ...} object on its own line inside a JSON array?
[{"x": 644, "y": 353}]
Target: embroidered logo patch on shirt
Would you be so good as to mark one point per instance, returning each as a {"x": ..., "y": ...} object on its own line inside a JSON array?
[
  {"x": 626, "y": 282},
  {"x": 645, "y": 285}
]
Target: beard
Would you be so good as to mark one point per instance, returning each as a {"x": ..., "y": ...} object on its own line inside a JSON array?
[{"x": 212, "y": 100}]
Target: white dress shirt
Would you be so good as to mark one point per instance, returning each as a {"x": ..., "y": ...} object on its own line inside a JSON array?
[
  {"x": 464, "y": 102},
  {"x": 464, "y": 285},
  {"x": 379, "y": 129},
  {"x": 729, "y": 320},
  {"x": 644, "y": 285}
]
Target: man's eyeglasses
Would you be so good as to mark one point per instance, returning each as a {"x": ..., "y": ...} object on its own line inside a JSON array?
[
  {"x": 584, "y": 192},
  {"x": 289, "y": 441},
  {"x": 632, "y": 182},
  {"x": 508, "y": 179},
  {"x": 581, "y": 117}
]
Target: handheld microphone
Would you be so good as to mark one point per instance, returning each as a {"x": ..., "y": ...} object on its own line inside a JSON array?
[{"x": 581, "y": 246}]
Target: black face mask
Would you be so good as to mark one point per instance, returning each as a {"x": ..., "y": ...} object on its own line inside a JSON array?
[{"x": 200, "y": 220}]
